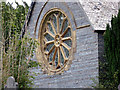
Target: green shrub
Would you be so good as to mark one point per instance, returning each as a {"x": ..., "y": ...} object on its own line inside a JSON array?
[{"x": 110, "y": 74}]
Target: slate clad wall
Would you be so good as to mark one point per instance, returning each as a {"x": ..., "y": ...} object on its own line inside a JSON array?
[
  {"x": 101, "y": 46},
  {"x": 101, "y": 51},
  {"x": 84, "y": 67}
]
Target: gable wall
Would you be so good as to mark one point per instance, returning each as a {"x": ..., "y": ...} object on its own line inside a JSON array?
[{"x": 84, "y": 67}]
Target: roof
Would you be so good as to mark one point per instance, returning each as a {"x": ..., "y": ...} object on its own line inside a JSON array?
[{"x": 100, "y": 12}]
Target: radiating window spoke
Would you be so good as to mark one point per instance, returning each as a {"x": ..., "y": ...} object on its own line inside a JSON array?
[
  {"x": 66, "y": 38},
  {"x": 66, "y": 46},
  {"x": 59, "y": 63},
  {"x": 49, "y": 42},
  {"x": 48, "y": 32},
  {"x": 50, "y": 23},
  {"x": 48, "y": 37},
  {"x": 63, "y": 24},
  {"x": 68, "y": 42},
  {"x": 51, "y": 55},
  {"x": 50, "y": 51},
  {"x": 63, "y": 53}
]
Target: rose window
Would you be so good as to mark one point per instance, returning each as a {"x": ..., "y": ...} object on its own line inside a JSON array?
[{"x": 56, "y": 40}]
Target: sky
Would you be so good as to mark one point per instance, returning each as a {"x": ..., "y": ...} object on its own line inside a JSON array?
[{"x": 19, "y": 1}]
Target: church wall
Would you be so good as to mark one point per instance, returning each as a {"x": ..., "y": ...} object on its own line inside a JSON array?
[
  {"x": 84, "y": 66},
  {"x": 101, "y": 52},
  {"x": 101, "y": 46}
]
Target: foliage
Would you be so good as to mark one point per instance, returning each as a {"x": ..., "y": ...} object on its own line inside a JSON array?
[
  {"x": 110, "y": 75},
  {"x": 17, "y": 52},
  {"x": 12, "y": 20},
  {"x": 16, "y": 60}
]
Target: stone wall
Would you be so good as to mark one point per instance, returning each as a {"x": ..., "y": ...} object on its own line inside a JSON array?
[{"x": 84, "y": 67}]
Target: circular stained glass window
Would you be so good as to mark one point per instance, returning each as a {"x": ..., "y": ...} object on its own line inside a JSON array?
[{"x": 55, "y": 38}]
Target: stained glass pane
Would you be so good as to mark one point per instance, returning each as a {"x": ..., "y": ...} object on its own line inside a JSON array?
[
  {"x": 61, "y": 59},
  {"x": 68, "y": 34},
  {"x": 50, "y": 28},
  {"x": 56, "y": 13},
  {"x": 49, "y": 47},
  {"x": 68, "y": 42},
  {"x": 51, "y": 55},
  {"x": 55, "y": 22},
  {"x": 48, "y": 37},
  {"x": 65, "y": 25},
  {"x": 50, "y": 18},
  {"x": 56, "y": 59},
  {"x": 66, "y": 51},
  {"x": 60, "y": 20}
]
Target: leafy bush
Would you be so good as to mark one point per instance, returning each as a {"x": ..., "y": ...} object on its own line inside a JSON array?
[
  {"x": 17, "y": 60},
  {"x": 17, "y": 52}
]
